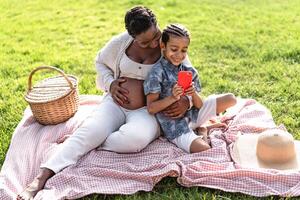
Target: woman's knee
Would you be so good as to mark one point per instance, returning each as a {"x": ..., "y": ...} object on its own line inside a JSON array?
[{"x": 139, "y": 139}]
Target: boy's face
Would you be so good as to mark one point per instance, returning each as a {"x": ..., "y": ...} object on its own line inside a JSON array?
[{"x": 176, "y": 49}]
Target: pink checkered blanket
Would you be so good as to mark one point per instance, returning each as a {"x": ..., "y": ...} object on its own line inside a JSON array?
[{"x": 112, "y": 173}]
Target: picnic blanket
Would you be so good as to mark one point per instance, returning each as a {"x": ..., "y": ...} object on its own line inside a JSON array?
[{"x": 113, "y": 173}]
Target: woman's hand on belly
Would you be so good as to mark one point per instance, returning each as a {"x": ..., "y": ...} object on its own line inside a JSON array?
[{"x": 118, "y": 93}]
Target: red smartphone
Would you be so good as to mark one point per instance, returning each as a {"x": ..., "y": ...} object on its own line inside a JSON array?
[{"x": 185, "y": 79}]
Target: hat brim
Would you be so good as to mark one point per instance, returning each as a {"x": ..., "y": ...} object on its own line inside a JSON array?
[{"x": 244, "y": 153}]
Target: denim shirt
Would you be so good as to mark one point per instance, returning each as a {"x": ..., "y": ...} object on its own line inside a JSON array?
[{"x": 161, "y": 79}]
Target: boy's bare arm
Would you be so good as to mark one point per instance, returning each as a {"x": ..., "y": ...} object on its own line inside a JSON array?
[
  {"x": 178, "y": 108},
  {"x": 154, "y": 105},
  {"x": 197, "y": 101}
]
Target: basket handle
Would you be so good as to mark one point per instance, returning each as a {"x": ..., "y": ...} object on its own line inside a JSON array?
[{"x": 51, "y": 68}]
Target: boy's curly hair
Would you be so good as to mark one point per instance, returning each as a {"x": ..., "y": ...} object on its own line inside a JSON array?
[{"x": 174, "y": 29}]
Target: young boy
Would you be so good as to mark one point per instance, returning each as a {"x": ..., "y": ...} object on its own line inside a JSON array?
[{"x": 162, "y": 90}]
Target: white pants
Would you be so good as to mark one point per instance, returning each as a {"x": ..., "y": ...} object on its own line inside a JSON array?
[{"x": 110, "y": 127}]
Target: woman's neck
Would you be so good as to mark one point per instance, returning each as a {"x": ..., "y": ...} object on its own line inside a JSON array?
[{"x": 143, "y": 55}]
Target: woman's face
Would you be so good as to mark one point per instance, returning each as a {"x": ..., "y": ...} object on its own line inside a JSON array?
[{"x": 149, "y": 38}]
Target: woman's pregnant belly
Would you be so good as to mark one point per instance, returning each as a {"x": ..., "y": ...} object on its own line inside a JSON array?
[{"x": 136, "y": 95}]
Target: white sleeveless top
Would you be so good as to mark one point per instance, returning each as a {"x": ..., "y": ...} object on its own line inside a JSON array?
[{"x": 135, "y": 70}]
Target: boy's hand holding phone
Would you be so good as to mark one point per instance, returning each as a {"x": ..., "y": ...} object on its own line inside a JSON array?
[
  {"x": 190, "y": 91},
  {"x": 177, "y": 91}
]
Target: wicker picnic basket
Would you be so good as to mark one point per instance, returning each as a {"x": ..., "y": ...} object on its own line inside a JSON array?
[{"x": 53, "y": 100}]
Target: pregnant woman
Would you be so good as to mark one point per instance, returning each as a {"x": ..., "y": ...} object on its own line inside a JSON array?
[{"x": 121, "y": 123}]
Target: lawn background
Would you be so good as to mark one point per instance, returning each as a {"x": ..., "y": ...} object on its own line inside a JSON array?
[{"x": 250, "y": 48}]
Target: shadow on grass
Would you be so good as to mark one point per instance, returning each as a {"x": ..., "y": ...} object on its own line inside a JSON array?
[{"x": 169, "y": 189}]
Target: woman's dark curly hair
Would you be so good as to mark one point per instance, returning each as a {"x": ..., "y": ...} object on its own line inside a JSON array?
[
  {"x": 174, "y": 29},
  {"x": 138, "y": 20}
]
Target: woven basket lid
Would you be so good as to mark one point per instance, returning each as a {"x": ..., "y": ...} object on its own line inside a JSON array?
[{"x": 50, "y": 89}]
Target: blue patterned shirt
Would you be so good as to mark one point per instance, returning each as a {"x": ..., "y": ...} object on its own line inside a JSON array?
[{"x": 161, "y": 79}]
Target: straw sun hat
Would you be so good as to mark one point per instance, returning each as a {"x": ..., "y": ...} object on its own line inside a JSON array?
[{"x": 273, "y": 149}]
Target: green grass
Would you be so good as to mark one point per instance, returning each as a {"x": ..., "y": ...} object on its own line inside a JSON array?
[{"x": 250, "y": 48}]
